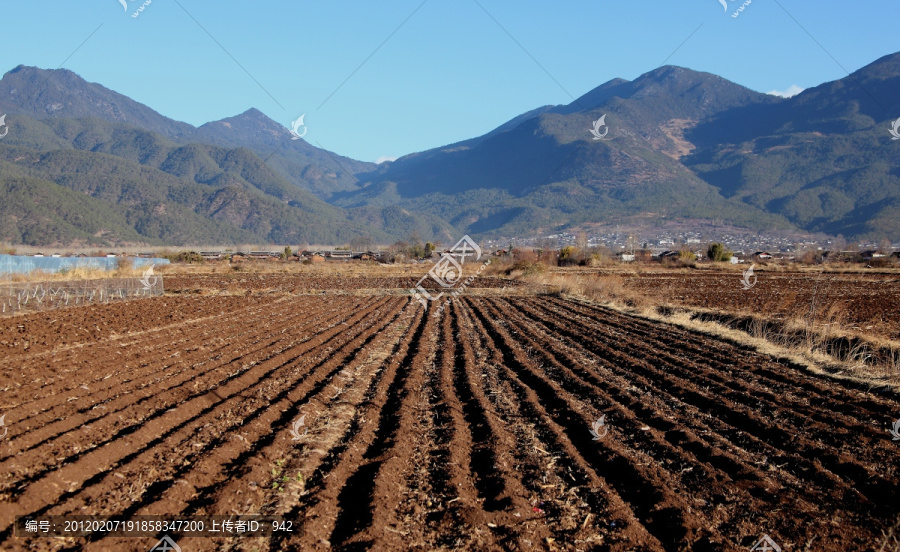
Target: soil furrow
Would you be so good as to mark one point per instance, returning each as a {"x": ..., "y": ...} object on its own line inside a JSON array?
[
  {"x": 361, "y": 503},
  {"x": 351, "y": 434},
  {"x": 503, "y": 421},
  {"x": 751, "y": 417},
  {"x": 225, "y": 469},
  {"x": 329, "y": 497},
  {"x": 122, "y": 394},
  {"x": 106, "y": 428},
  {"x": 854, "y": 399},
  {"x": 632, "y": 498},
  {"x": 452, "y": 444},
  {"x": 152, "y": 431},
  {"x": 800, "y": 472}
]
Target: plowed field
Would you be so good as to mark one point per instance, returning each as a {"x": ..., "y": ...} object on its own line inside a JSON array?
[
  {"x": 470, "y": 430},
  {"x": 293, "y": 283},
  {"x": 867, "y": 303}
]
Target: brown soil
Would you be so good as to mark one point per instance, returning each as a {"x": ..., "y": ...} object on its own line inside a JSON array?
[
  {"x": 466, "y": 431},
  {"x": 867, "y": 303},
  {"x": 293, "y": 283}
]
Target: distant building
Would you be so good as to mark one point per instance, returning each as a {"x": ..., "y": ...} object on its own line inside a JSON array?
[{"x": 869, "y": 255}]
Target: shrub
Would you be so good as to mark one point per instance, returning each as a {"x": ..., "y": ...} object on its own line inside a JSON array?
[
  {"x": 190, "y": 257},
  {"x": 526, "y": 267},
  {"x": 124, "y": 267},
  {"x": 524, "y": 255},
  {"x": 718, "y": 253},
  {"x": 567, "y": 255},
  {"x": 597, "y": 259}
]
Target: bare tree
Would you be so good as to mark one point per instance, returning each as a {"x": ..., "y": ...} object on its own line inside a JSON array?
[
  {"x": 631, "y": 243},
  {"x": 362, "y": 243},
  {"x": 581, "y": 243}
]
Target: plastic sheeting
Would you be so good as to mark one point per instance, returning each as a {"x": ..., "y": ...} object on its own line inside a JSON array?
[{"x": 21, "y": 264}]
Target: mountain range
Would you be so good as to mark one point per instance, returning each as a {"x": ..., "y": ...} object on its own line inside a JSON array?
[{"x": 82, "y": 164}]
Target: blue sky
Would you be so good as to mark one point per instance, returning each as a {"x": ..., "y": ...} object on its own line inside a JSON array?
[{"x": 387, "y": 79}]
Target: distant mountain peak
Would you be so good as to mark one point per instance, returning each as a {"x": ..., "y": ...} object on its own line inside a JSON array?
[
  {"x": 251, "y": 116},
  {"x": 44, "y": 93},
  {"x": 255, "y": 113},
  {"x": 251, "y": 124},
  {"x": 30, "y": 73},
  {"x": 673, "y": 78}
]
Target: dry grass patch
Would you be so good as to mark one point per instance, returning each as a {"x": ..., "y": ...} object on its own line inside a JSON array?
[
  {"x": 810, "y": 349},
  {"x": 78, "y": 274},
  {"x": 606, "y": 288}
]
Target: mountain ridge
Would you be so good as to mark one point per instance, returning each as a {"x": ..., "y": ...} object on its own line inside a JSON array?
[
  {"x": 680, "y": 145},
  {"x": 704, "y": 124}
]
